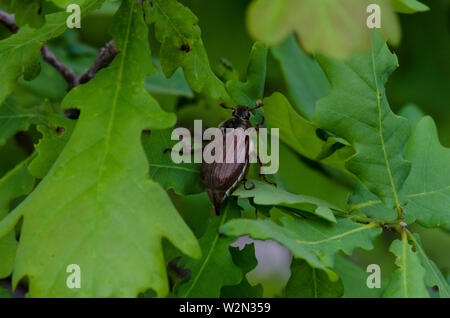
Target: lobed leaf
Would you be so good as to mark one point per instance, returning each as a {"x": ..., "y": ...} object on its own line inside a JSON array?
[
  {"x": 354, "y": 279},
  {"x": 183, "y": 178},
  {"x": 97, "y": 207},
  {"x": 205, "y": 280},
  {"x": 247, "y": 261},
  {"x": 300, "y": 134},
  {"x": 14, "y": 184},
  {"x": 55, "y": 134},
  {"x": 315, "y": 241},
  {"x": 427, "y": 188},
  {"x": 4, "y": 292},
  {"x": 409, "y": 6},
  {"x": 334, "y": 28},
  {"x": 433, "y": 276},
  {"x": 14, "y": 119},
  {"x": 306, "y": 281},
  {"x": 304, "y": 78},
  {"x": 25, "y": 11},
  {"x": 408, "y": 279},
  {"x": 19, "y": 53},
  {"x": 266, "y": 194},
  {"x": 181, "y": 45}
]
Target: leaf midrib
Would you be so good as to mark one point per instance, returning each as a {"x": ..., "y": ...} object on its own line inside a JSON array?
[
  {"x": 380, "y": 131},
  {"x": 334, "y": 237},
  {"x": 210, "y": 251}
]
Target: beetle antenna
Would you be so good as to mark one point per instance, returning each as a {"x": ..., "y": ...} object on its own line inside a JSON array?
[
  {"x": 259, "y": 104},
  {"x": 225, "y": 106}
]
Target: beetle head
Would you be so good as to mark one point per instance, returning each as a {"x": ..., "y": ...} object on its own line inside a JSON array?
[{"x": 241, "y": 112}]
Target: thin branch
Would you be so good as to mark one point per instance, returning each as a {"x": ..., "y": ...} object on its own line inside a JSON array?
[
  {"x": 8, "y": 21},
  {"x": 66, "y": 72},
  {"x": 104, "y": 58}
]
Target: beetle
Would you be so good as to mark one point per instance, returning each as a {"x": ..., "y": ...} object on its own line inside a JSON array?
[{"x": 221, "y": 178}]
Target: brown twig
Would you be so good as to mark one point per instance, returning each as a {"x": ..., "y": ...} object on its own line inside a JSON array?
[
  {"x": 8, "y": 21},
  {"x": 104, "y": 58}
]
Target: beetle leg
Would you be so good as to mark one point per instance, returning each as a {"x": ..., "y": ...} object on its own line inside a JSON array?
[
  {"x": 245, "y": 179},
  {"x": 263, "y": 175},
  {"x": 260, "y": 124}
]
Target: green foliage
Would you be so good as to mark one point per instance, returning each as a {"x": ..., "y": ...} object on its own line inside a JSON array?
[
  {"x": 100, "y": 192},
  {"x": 357, "y": 110},
  {"x": 87, "y": 224},
  {"x": 266, "y": 194},
  {"x": 304, "y": 77},
  {"x": 204, "y": 280},
  {"x": 427, "y": 187},
  {"x": 184, "y": 178},
  {"x": 26, "y": 11},
  {"x": 315, "y": 241},
  {"x": 4, "y": 292},
  {"x": 409, "y": 6},
  {"x": 21, "y": 51},
  {"x": 299, "y": 133},
  {"x": 55, "y": 134},
  {"x": 306, "y": 281},
  {"x": 433, "y": 276},
  {"x": 14, "y": 184},
  {"x": 408, "y": 279},
  {"x": 318, "y": 27},
  {"x": 14, "y": 119},
  {"x": 247, "y": 261},
  {"x": 181, "y": 45}
]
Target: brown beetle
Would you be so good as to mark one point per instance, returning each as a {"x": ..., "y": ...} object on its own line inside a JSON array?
[{"x": 221, "y": 178}]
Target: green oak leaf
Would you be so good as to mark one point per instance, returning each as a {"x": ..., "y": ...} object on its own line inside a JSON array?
[
  {"x": 65, "y": 3},
  {"x": 354, "y": 279},
  {"x": 317, "y": 25},
  {"x": 216, "y": 268},
  {"x": 427, "y": 188},
  {"x": 357, "y": 110},
  {"x": 301, "y": 177},
  {"x": 315, "y": 241},
  {"x": 409, "y": 6},
  {"x": 4, "y": 292},
  {"x": 181, "y": 45},
  {"x": 175, "y": 85},
  {"x": 306, "y": 281},
  {"x": 19, "y": 53},
  {"x": 55, "y": 135},
  {"x": 247, "y": 93},
  {"x": 267, "y": 194},
  {"x": 299, "y": 133},
  {"x": 25, "y": 11},
  {"x": 433, "y": 276},
  {"x": 412, "y": 112},
  {"x": 183, "y": 178},
  {"x": 96, "y": 207},
  {"x": 14, "y": 184},
  {"x": 408, "y": 280},
  {"x": 247, "y": 261},
  {"x": 14, "y": 119},
  {"x": 304, "y": 78},
  {"x": 428, "y": 185}
]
